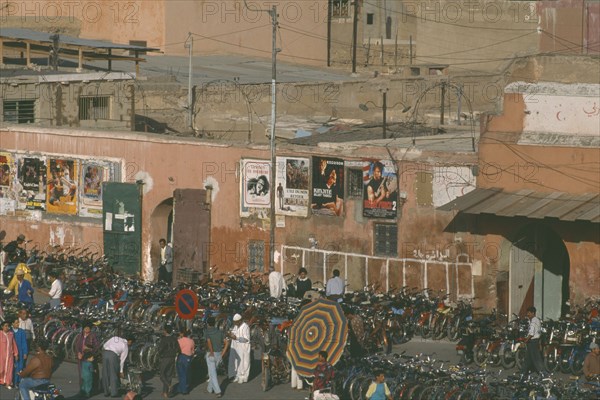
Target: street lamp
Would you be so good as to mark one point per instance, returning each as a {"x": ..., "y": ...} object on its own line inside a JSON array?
[{"x": 384, "y": 107}]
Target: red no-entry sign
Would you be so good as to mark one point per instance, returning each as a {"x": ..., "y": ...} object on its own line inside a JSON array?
[{"x": 186, "y": 304}]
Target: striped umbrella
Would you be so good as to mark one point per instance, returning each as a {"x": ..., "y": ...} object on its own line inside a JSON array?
[{"x": 321, "y": 325}]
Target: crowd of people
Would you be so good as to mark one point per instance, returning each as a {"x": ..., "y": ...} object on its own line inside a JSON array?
[{"x": 21, "y": 366}]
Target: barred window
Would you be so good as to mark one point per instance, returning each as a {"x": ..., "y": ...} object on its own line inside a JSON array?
[
  {"x": 355, "y": 183},
  {"x": 19, "y": 111},
  {"x": 370, "y": 18},
  {"x": 94, "y": 107},
  {"x": 256, "y": 256},
  {"x": 340, "y": 8},
  {"x": 386, "y": 240}
]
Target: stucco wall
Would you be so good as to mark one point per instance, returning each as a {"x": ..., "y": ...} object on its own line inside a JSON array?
[{"x": 165, "y": 165}]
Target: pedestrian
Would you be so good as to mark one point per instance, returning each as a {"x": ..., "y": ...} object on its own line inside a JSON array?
[
  {"x": 56, "y": 290},
  {"x": 186, "y": 352},
  {"x": 23, "y": 349},
  {"x": 303, "y": 283},
  {"x": 591, "y": 364},
  {"x": 24, "y": 289},
  {"x": 276, "y": 284},
  {"x": 296, "y": 380},
  {"x": 86, "y": 341},
  {"x": 533, "y": 356},
  {"x": 239, "y": 351},
  {"x": 8, "y": 355},
  {"x": 335, "y": 287},
  {"x": 216, "y": 346},
  {"x": 37, "y": 372},
  {"x": 378, "y": 390},
  {"x": 87, "y": 374},
  {"x": 323, "y": 374},
  {"x": 165, "y": 272},
  {"x": 168, "y": 350},
  {"x": 114, "y": 355},
  {"x": 26, "y": 324}
]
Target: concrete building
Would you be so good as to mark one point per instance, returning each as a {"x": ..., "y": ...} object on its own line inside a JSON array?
[{"x": 536, "y": 210}]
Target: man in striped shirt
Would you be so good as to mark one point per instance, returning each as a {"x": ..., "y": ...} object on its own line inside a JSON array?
[{"x": 533, "y": 357}]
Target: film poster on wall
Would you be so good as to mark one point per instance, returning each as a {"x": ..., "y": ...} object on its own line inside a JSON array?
[
  {"x": 255, "y": 188},
  {"x": 32, "y": 181},
  {"x": 7, "y": 183},
  {"x": 61, "y": 191},
  {"x": 328, "y": 186},
  {"x": 90, "y": 199},
  {"x": 380, "y": 189},
  {"x": 292, "y": 186}
]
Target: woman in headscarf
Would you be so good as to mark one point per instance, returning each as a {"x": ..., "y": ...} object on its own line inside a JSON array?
[
  {"x": 12, "y": 286},
  {"x": 8, "y": 354}
]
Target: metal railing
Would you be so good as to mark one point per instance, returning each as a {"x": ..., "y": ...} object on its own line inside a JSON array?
[{"x": 360, "y": 270}]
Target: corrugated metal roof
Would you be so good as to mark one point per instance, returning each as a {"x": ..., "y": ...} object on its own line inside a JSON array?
[
  {"x": 44, "y": 37},
  {"x": 529, "y": 204}
]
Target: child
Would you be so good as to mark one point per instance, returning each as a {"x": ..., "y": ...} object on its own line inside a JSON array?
[
  {"x": 87, "y": 374},
  {"x": 378, "y": 390}
]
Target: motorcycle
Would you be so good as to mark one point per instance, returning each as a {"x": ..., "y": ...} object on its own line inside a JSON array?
[{"x": 47, "y": 391}]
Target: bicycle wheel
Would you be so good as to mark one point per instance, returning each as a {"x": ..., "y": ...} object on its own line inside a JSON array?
[
  {"x": 507, "y": 357},
  {"x": 480, "y": 354},
  {"x": 552, "y": 360}
]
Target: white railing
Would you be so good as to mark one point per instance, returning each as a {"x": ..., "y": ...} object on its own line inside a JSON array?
[{"x": 360, "y": 270}]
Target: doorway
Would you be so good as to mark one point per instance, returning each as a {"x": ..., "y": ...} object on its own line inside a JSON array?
[{"x": 539, "y": 270}]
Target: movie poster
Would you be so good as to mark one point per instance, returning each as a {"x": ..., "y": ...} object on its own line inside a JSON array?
[
  {"x": 62, "y": 186},
  {"x": 291, "y": 192},
  {"x": 90, "y": 200},
  {"x": 32, "y": 179},
  {"x": 328, "y": 186},
  {"x": 256, "y": 188},
  {"x": 7, "y": 181},
  {"x": 380, "y": 189}
]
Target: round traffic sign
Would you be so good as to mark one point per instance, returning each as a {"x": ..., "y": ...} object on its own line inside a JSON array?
[{"x": 186, "y": 304}]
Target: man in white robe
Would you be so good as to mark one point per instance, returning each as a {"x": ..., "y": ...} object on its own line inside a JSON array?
[{"x": 239, "y": 351}]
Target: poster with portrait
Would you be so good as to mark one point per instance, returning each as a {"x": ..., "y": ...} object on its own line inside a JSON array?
[
  {"x": 292, "y": 186},
  {"x": 61, "y": 189},
  {"x": 31, "y": 176},
  {"x": 7, "y": 184},
  {"x": 255, "y": 188},
  {"x": 90, "y": 199},
  {"x": 328, "y": 186},
  {"x": 380, "y": 189}
]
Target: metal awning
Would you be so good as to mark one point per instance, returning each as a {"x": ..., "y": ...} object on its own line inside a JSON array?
[{"x": 529, "y": 204}]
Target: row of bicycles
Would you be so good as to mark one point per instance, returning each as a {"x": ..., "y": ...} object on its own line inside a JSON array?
[{"x": 424, "y": 377}]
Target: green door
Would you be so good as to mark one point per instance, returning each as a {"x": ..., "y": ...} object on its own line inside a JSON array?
[{"x": 122, "y": 222}]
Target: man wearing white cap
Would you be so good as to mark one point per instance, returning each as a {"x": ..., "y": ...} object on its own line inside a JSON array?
[{"x": 239, "y": 353}]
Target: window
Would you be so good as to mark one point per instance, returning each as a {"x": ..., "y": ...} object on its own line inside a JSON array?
[
  {"x": 340, "y": 8},
  {"x": 386, "y": 240},
  {"x": 94, "y": 107},
  {"x": 141, "y": 43},
  {"x": 19, "y": 111},
  {"x": 256, "y": 256},
  {"x": 355, "y": 183},
  {"x": 370, "y": 18}
]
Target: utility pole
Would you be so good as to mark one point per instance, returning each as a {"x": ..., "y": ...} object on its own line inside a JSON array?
[
  {"x": 190, "y": 46},
  {"x": 442, "y": 103},
  {"x": 329, "y": 16},
  {"x": 384, "y": 107},
  {"x": 275, "y": 50},
  {"x": 54, "y": 52},
  {"x": 354, "y": 36}
]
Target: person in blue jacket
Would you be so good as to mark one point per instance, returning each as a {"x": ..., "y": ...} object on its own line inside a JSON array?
[
  {"x": 24, "y": 289},
  {"x": 21, "y": 340}
]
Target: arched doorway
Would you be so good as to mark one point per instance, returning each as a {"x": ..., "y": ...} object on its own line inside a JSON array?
[
  {"x": 161, "y": 227},
  {"x": 539, "y": 270}
]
